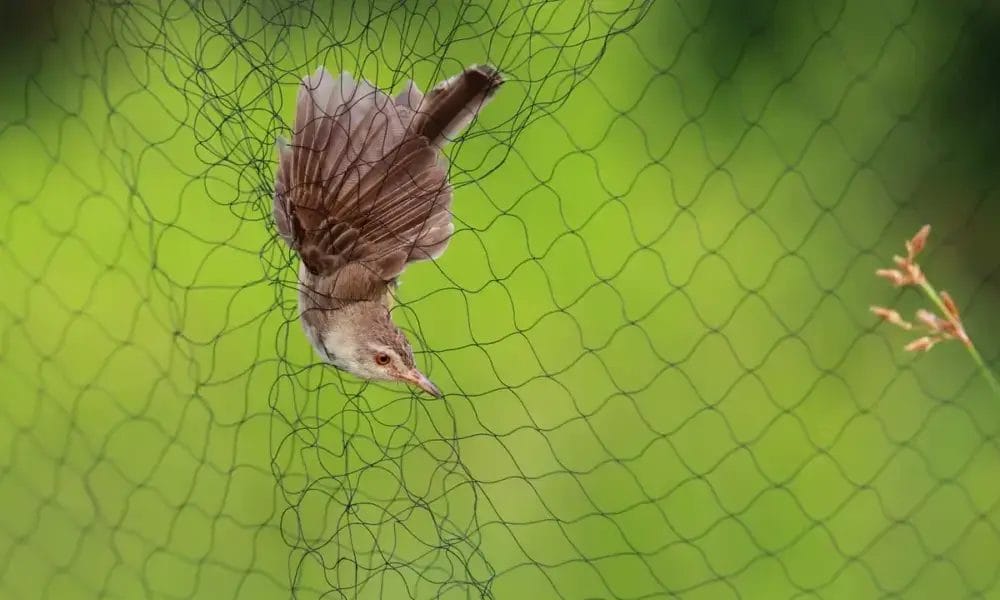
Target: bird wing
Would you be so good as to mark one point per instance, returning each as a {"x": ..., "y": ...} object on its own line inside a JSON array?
[{"x": 362, "y": 180}]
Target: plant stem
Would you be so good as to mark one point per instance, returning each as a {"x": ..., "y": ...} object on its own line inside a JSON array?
[{"x": 987, "y": 373}]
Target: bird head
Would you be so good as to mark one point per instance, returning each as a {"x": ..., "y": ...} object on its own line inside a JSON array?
[{"x": 362, "y": 339}]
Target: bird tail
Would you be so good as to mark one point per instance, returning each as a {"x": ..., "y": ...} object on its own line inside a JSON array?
[{"x": 452, "y": 104}]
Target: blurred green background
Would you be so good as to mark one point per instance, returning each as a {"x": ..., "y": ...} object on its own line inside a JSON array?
[{"x": 651, "y": 324}]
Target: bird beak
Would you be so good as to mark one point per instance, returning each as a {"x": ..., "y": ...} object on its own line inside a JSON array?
[{"x": 420, "y": 380}]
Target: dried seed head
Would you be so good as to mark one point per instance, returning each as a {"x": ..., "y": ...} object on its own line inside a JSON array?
[
  {"x": 915, "y": 245},
  {"x": 930, "y": 320},
  {"x": 890, "y": 316},
  {"x": 914, "y": 275},
  {"x": 949, "y": 305},
  {"x": 894, "y": 276},
  {"x": 921, "y": 344},
  {"x": 907, "y": 273},
  {"x": 943, "y": 327}
]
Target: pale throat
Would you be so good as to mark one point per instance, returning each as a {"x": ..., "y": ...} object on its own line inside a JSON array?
[
  {"x": 334, "y": 347},
  {"x": 330, "y": 345}
]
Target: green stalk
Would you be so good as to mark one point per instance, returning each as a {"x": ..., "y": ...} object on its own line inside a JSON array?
[{"x": 987, "y": 373}]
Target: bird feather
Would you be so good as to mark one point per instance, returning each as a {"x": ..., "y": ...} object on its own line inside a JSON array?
[{"x": 361, "y": 190}]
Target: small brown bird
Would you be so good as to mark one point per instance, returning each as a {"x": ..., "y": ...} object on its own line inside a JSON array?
[{"x": 362, "y": 191}]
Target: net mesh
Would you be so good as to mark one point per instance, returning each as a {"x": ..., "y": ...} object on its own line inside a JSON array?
[{"x": 651, "y": 324}]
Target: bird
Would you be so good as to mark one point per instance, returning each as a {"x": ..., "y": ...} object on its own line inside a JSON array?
[{"x": 361, "y": 191}]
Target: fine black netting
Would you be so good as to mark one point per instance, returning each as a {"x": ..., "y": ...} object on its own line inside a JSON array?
[{"x": 651, "y": 325}]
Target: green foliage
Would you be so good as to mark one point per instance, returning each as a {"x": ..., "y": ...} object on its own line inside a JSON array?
[{"x": 651, "y": 324}]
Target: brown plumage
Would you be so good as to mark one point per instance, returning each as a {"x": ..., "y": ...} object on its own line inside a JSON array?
[{"x": 361, "y": 192}]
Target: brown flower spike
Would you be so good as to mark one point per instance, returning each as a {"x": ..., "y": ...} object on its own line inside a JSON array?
[
  {"x": 907, "y": 271},
  {"x": 939, "y": 327}
]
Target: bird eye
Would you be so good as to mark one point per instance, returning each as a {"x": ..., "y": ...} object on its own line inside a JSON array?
[{"x": 382, "y": 358}]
